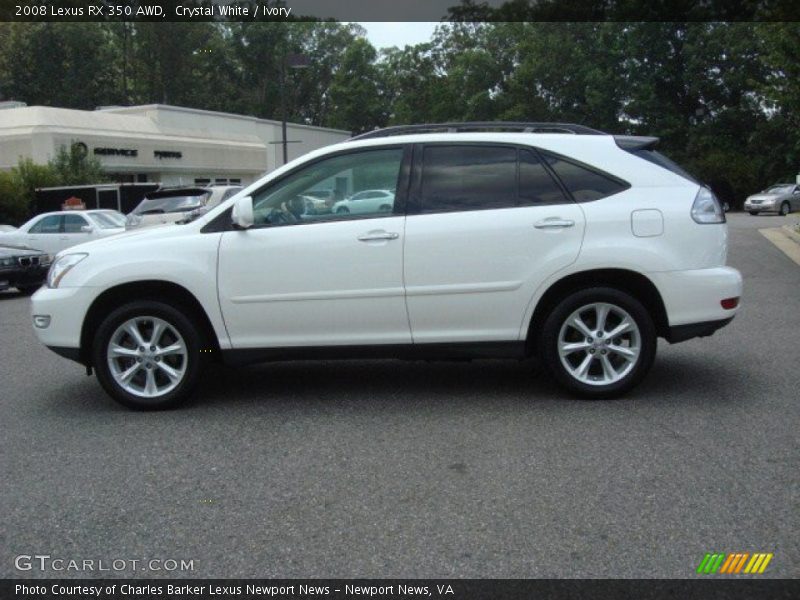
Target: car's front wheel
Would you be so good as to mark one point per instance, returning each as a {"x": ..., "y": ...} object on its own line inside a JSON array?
[
  {"x": 599, "y": 342},
  {"x": 784, "y": 209},
  {"x": 753, "y": 212},
  {"x": 147, "y": 355}
]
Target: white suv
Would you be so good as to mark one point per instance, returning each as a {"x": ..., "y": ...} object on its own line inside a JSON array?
[{"x": 503, "y": 240}]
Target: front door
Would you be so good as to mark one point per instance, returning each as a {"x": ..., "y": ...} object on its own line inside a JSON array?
[{"x": 305, "y": 276}]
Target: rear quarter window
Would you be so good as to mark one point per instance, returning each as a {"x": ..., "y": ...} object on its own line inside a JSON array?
[{"x": 583, "y": 182}]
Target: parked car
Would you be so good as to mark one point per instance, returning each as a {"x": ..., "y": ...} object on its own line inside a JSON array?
[
  {"x": 781, "y": 198},
  {"x": 56, "y": 231},
  {"x": 7, "y": 228},
  {"x": 366, "y": 202},
  {"x": 170, "y": 205},
  {"x": 551, "y": 240},
  {"x": 22, "y": 268}
]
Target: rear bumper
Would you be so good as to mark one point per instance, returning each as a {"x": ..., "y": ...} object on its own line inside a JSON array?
[
  {"x": 681, "y": 333},
  {"x": 693, "y": 298}
]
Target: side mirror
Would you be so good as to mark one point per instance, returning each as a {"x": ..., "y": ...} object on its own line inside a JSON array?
[
  {"x": 242, "y": 214},
  {"x": 87, "y": 229}
]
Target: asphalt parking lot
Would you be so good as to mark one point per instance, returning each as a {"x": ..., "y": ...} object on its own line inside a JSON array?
[{"x": 379, "y": 469}]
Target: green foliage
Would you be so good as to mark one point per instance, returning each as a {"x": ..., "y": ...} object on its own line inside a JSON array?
[
  {"x": 723, "y": 97},
  {"x": 13, "y": 207},
  {"x": 73, "y": 167}
]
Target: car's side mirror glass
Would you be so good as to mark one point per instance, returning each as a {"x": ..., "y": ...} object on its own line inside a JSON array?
[{"x": 242, "y": 213}]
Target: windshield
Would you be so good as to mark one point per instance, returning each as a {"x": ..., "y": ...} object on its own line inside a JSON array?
[
  {"x": 779, "y": 189},
  {"x": 169, "y": 204},
  {"x": 107, "y": 220}
]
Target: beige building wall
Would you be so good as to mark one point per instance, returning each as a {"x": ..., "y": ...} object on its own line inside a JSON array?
[{"x": 198, "y": 144}]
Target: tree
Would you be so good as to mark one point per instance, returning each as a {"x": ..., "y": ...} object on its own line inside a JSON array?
[{"x": 73, "y": 167}]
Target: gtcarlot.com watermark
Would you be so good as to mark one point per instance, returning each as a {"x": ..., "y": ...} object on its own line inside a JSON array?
[{"x": 55, "y": 564}]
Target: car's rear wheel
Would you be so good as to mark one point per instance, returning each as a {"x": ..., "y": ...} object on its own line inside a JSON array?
[
  {"x": 598, "y": 343},
  {"x": 753, "y": 212},
  {"x": 342, "y": 210},
  {"x": 147, "y": 355},
  {"x": 784, "y": 209}
]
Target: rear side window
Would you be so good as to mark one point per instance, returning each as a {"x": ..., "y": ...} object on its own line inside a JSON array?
[
  {"x": 458, "y": 178},
  {"x": 585, "y": 184}
]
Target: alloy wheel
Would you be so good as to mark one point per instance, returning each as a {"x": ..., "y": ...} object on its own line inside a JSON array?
[
  {"x": 599, "y": 344},
  {"x": 147, "y": 357}
]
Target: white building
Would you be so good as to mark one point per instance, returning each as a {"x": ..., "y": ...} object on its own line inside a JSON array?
[{"x": 158, "y": 143}]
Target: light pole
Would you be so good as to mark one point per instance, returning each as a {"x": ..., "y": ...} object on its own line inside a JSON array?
[{"x": 292, "y": 61}]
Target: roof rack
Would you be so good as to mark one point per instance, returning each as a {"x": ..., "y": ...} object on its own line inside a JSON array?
[{"x": 480, "y": 126}]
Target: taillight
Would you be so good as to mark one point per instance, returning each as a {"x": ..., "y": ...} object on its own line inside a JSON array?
[
  {"x": 706, "y": 208},
  {"x": 730, "y": 303}
]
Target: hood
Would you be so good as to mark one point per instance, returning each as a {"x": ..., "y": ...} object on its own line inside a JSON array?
[
  {"x": 133, "y": 237},
  {"x": 7, "y": 250}
]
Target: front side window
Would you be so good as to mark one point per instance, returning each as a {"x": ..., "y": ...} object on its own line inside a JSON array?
[
  {"x": 331, "y": 189},
  {"x": 74, "y": 223},
  {"x": 48, "y": 224},
  {"x": 458, "y": 178}
]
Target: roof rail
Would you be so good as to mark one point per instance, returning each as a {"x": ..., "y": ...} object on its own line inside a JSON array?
[{"x": 480, "y": 126}]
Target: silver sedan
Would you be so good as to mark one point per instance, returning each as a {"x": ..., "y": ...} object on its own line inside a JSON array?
[{"x": 781, "y": 198}]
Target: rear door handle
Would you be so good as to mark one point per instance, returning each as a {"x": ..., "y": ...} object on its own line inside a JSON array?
[
  {"x": 554, "y": 223},
  {"x": 374, "y": 236}
]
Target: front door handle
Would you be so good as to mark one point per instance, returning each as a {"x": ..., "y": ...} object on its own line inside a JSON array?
[
  {"x": 374, "y": 236},
  {"x": 554, "y": 223}
]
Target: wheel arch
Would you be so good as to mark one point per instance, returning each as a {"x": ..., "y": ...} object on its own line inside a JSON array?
[
  {"x": 630, "y": 282},
  {"x": 155, "y": 290}
]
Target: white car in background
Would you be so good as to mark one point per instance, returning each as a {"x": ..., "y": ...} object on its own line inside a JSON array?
[
  {"x": 55, "y": 231},
  {"x": 366, "y": 202},
  {"x": 7, "y": 228},
  {"x": 170, "y": 205}
]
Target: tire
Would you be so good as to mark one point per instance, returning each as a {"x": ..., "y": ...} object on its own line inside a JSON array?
[
  {"x": 28, "y": 290},
  {"x": 609, "y": 373},
  {"x": 784, "y": 209},
  {"x": 384, "y": 208},
  {"x": 342, "y": 210},
  {"x": 165, "y": 391},
  {"x": 753, "y": 212}
]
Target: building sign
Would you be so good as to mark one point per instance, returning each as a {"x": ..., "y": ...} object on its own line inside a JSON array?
[
  {"x": 167, "y": 154},
  {"x": 130, "y": 152}
]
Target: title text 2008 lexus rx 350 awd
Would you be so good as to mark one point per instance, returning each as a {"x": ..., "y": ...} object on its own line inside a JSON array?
[{"x": 500, "y": 240}]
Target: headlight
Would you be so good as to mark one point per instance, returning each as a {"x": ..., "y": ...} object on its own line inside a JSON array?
[
  {"x": 706, "y": 208},
  {"x": 61, "y": 267},
  {"x": 132, "y": 221},
  {"x": 6, "y": 262}
]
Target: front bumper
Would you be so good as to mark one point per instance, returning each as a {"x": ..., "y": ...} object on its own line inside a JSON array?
[
  {"x": 11, "y": 277},
  {"x": 763, "y": 206},
  {"x": 67, "y": 308}
]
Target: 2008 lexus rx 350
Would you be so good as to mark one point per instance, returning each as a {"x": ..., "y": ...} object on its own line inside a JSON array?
[{"x": 502, "y": 240}]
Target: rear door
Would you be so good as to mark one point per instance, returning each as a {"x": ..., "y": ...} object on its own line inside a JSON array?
[{"x": 486, "y": 225}]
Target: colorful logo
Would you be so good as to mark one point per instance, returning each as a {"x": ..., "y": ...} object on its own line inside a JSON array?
[{"x": 734, "y": 563}]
